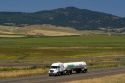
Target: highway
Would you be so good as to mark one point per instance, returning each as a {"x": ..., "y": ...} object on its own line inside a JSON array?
[{"x": 65, "y": 78}]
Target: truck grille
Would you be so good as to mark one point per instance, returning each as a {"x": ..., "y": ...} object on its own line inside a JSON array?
[{"x": 51, "y": 71}]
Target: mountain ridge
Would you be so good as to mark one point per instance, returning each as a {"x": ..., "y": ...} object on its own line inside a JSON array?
[{"x": 81, "y": 19}]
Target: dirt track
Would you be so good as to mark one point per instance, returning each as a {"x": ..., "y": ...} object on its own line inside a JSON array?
[{"x": 65, "y": 78}]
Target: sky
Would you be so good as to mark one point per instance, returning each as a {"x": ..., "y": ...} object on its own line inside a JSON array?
[{"x": 115, "y": 7}]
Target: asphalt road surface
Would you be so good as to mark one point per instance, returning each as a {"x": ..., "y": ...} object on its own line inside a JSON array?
[{"x": 65, "y": 78}]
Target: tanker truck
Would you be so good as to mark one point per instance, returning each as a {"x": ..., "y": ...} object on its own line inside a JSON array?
[{"x": 59, "y": 68}]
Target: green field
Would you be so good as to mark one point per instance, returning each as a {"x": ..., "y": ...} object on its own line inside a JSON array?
[
  {"x": 78, "y": 44},
  {"x": 41, "y": 48},
  {"x": 44, "y": 49},
  {"x": 99, "y": 51}
]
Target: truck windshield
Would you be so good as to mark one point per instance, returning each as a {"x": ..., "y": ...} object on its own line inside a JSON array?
[{"x": 55, "y": 67}]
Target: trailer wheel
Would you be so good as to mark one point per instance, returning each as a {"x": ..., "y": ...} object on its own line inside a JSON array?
[
  {"x": 78, "y": 70},
  {"x": 62, "y": 73},
  {"x": 71, "y": 72},
  {"x": 85, "y": 70}
]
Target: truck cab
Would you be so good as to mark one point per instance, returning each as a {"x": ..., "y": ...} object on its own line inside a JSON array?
[{"x": 56, "y": 69}]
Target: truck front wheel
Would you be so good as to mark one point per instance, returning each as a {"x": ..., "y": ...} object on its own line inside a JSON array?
[
  {"x": 68, "y": 72},
  {"x": 59, "y": 74},
  {"x": 50, "y": 75}
]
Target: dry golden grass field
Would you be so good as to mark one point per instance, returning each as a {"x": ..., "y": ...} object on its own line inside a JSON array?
[
  {"x": 21, "y": 73},
  {"x": 120, "y": 78},
  {"x": 40, "y": 30}
]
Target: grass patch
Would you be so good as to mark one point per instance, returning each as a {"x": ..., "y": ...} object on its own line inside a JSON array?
[
  {"x": 20, "y": 73},
  {"x": 107, "y": 79}
]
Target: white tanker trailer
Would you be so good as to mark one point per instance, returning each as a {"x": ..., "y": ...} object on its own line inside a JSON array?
[{"x": 67, "y": 68}]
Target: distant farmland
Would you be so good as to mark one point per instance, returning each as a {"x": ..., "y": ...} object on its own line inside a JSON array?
[{"x": 39, "y": 48}]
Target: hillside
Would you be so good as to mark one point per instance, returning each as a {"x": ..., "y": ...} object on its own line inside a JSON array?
[
  {"x": 37, "y": 30},
  {"x": 81, "y": 19}
]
